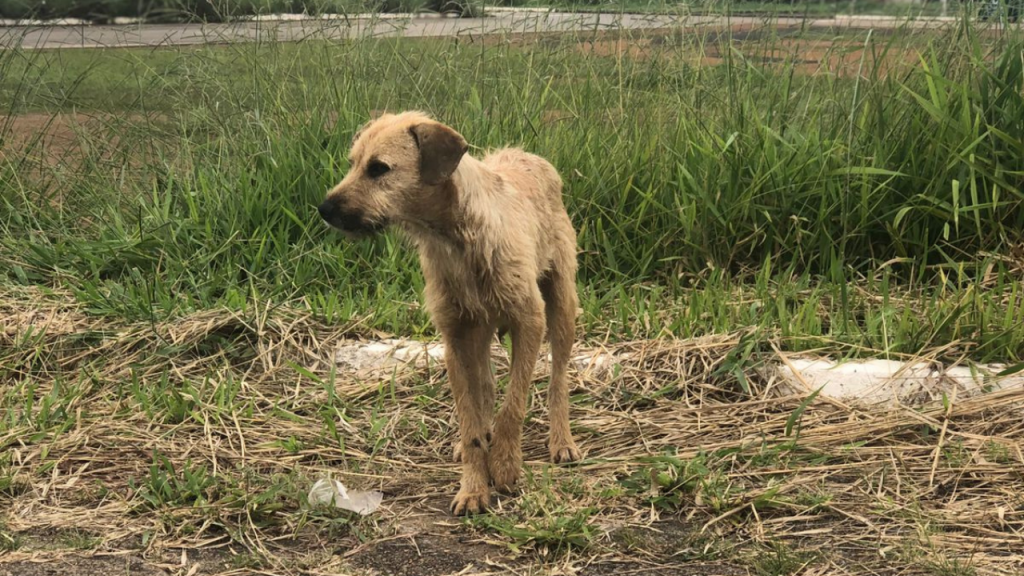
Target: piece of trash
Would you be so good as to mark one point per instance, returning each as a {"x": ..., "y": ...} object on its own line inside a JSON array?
[{"x": 331, "y": 491}]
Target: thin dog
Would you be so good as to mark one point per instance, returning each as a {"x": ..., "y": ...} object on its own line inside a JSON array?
[{"x": 498, "y": 254}]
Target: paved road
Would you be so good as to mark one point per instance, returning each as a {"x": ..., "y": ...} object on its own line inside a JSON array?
[{"x": 504, "y": 22}]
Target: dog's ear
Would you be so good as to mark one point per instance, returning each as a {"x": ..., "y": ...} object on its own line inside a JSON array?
[{"x": 441, "y": 150}]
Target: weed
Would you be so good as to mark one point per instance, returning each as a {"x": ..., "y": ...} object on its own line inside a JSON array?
[
  {"x": 79, "y": 540},
  {"x": 246, "y": 561},
  {"x": 555, "y": 532},
  {"x": 9, "y": 541},
  {"x": 779, "y": 560},
  {"x": 998, "y": 452},
  {"x": 670, "y": 483},
  {"x": 543, "y": 521},
  {"x": 167, "y": 486},
  {"x": 688, "y": 544},
  {"x": 955, "y": 454},
  {"x": 950, "y": 567}
]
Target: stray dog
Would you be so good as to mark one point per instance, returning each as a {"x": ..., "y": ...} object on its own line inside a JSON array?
[{"x": 498, "y": 253}]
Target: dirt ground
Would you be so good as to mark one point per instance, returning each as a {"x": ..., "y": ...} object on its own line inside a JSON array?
[{"x": 685, "y": 473}]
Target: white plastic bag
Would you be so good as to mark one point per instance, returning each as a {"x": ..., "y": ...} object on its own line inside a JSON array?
[{"x": 326, "y": 491}]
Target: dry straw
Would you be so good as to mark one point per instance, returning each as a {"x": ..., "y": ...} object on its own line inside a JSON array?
[{"x": 905, "y": 490}]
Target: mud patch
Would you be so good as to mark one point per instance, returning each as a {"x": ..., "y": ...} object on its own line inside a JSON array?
[
  {"x": 82, "y": 566},
  {"x": 687, "y": 569},
  {"x": 67, "y": 140},
  {"x": 425, "y": 556}
]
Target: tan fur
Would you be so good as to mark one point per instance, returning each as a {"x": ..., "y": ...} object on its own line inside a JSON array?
[{"x": 498, "y": 252}]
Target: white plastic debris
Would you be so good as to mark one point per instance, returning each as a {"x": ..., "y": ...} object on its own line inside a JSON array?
[
  {"x": 331, "y": 491},
  {"x": 381, "y": 359},
  {"x": 876, "y": 382}
]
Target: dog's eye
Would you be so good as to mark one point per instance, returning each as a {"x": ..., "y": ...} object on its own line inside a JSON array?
[{"x": 376, "y": 169}]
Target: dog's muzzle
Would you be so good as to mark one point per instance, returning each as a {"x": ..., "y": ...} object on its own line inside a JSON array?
[{"x": 349, "y": 221}]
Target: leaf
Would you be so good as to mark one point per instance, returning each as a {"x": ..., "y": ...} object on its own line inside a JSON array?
[
  {"x": 305, "y": 372},
  {"x": 791, "y": 421},
  {"x": 864, "y": 171},
  {"x": 900, "y": 215},
  {"x": 1009, "y": 370}
]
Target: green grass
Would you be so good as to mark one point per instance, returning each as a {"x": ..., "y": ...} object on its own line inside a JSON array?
[
  {"x": 543, "y": 523},
  {"x": 867, "y": 212}
]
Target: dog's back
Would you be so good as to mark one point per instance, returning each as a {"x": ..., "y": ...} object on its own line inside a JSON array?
[
  {"x": 528, "y": 173},
  {"x": 536, "y": 204}
]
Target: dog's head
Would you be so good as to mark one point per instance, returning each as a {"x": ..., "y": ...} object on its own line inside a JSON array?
[{"x": 395, "y": 161}]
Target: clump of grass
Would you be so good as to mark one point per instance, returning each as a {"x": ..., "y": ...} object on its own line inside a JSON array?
[
  {"x": 543, "y": 522},
  {"x": 76, "y": 539},
  {"x": 778, "y": 559},
  {"x": 670, "y": 483},
  {"x": 167, "y": 486},
  {"x": 554, "y": 533},
  {"x": 939, "y": 564},
  {"x": 828, "y": 208},
  {"x": 9, "y": 541}
]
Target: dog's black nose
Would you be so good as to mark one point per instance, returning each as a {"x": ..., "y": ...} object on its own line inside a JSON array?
[{"x": 327, "y": 210}]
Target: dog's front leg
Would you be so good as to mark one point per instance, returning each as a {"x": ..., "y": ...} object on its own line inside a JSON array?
[
  {"x": 506, "y": 456},
  {"x": 474, "y": 494}
]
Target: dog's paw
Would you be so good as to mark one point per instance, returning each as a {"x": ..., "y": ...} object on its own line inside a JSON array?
[
  {"x": 505, "y": 476},
  {"x": 505, "y": 464},
  {"x": 565, "y": 452},
  {"x": 467, "y": 503}
]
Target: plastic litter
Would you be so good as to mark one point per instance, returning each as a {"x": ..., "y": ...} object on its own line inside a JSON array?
[{"x": 326, "y": 491}]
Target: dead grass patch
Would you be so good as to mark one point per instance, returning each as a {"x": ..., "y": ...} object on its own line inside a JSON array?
[{"x": 203, "y": 434}]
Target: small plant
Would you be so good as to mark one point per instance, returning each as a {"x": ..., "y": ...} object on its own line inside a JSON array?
[
  {"x": 246, "y": 561},
  {"x": 291, "y": 444},
  {"x": 813, "y": 499},
  {"x": 9, "y": 541},
  {"x": 542, "y": 522},
  {"x": 166, "y": 486},
  {"x": 955, "y": 454},
  {"x": 163, "y": 400},
  {"x": 998, "y": 453},
  {"x": 779, "y": 560},
  {"x": 670, "y": 482},
  {"x": 9, "y": 485},
  {"x": 549, "y": 534},
  {"x": 951, "y": 567},
  {"x": 79, "y": 540},
  {"x": 684, "y": 544}
]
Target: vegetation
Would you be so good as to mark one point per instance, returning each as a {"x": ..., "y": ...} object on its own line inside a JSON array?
[
  {"x": 169, "y": 301},
  {"x": 877, "y": 206},
  {"x": 103, "y": 11}
]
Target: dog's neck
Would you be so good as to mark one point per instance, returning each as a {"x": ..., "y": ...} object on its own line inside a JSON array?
[{"x": 454, "y": 204}]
